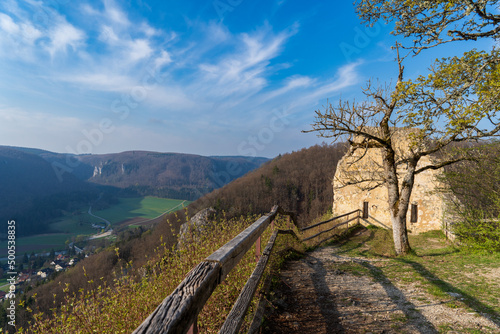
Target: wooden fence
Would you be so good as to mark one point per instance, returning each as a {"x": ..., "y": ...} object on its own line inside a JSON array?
[
  {"x": 179, "y": 311},
  {"x": 357, "y": 216}
]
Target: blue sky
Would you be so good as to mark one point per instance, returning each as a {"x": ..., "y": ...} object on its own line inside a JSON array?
[{"x": 214, "y": 77}]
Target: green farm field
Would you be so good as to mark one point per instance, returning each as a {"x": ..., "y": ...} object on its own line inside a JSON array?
[
  {"x": 143, "y": 207},
  {"x": 73, "y": 225}
]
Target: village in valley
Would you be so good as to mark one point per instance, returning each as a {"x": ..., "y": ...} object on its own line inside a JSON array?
[{"x": 36, "y": 269}]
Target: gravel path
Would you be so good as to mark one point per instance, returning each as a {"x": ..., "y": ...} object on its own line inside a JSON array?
[{"x": 314, "y": 297}]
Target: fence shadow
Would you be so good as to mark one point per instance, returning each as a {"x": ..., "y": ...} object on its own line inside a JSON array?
[
  {"x": 325, "y": 299},
  {"x": 358, "y": 245},
  {"x": 446, "y": 287}
]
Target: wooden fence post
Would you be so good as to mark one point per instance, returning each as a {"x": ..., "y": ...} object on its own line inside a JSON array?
[{"x": 257, "y": 249}]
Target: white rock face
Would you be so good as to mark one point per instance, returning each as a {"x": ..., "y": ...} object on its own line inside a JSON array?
[
  {"x": 366, "y": 164},
  {"x": 97, "y": 171}
]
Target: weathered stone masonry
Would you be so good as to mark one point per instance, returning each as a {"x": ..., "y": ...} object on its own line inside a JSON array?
[{"x": 366, "y": 164}]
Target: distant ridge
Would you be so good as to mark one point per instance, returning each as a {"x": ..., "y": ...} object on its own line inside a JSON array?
[
  {"x": 36, "y": 185},
  {"x": 175, "y": 175}
]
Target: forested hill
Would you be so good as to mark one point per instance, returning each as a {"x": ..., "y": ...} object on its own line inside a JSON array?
[
  {"x": 300, "y": 181},
  {"x": 31, "y": 192},
  {"x": 172, "y": 175}
]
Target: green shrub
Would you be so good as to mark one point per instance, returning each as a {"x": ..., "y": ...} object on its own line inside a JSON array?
[{"x": 476, "y": 233}]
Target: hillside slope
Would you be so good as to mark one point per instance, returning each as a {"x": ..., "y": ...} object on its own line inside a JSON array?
[
  {"x": 37, "y": 185},
  {"x": 169, "y": 175},
  {"x": 298, "y": 181},
  {"x": 173, "y": 175},
  {"x": 32, "y": 193}
]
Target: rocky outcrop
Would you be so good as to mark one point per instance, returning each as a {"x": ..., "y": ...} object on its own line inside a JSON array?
[{"x": 196, "y": 227}]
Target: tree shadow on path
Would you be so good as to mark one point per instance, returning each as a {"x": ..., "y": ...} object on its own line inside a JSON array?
[{"x": 400, "y": 300}]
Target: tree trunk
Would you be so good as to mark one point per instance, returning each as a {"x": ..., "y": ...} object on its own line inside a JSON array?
[
  {"x": 398, "y": 202},
  {"x": 398, "y": 215},
  {"x": 406, "y": 190},
  {"x": 400, "y": 233}
]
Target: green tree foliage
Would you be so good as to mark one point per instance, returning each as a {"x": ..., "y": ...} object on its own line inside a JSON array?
[
  {"x": 457, "y": 101},
  {"x": 476, "y": 198}
]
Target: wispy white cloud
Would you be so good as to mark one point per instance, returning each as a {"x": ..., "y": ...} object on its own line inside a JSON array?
[
  {"x": 347, "y": 75},
  {"x": 20, "y": 36},
  {"x": 105, "y": 81},
  {"x": 64, "y": 36},
  {"x": 17, "y": 39},
  {"x": 139, "y": 49},
  {"x": 292, "y": 83},
  {"x": 114, "y": 12},
  {"x": 244, "y": 71},
  {"x": 163, "y": 59},
  {"x": 8, "y": 25},
  {"x": 208, "y": 78}
]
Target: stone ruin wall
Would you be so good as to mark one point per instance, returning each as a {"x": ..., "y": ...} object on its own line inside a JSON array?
[{"x": 367, "y": 164}]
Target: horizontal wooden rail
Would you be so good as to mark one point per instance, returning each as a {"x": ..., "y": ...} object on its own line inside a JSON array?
[
  {"x": 330, "y": 229},
  {"x": 180, "y": 309},
  {"x": 329, "y": 220}
]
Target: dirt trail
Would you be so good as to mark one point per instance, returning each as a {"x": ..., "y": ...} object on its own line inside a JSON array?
[{"x": 315, "y": 297}]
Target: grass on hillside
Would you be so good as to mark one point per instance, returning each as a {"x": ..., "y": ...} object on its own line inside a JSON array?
[
  {"x": 122, "y": 307},
  {"x": 436, "y": 265}
]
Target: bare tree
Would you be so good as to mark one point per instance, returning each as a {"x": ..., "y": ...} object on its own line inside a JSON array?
[{"x": 449, "y": 105}]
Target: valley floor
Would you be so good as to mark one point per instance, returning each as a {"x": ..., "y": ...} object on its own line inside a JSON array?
[{"x": 332, "y": 290}]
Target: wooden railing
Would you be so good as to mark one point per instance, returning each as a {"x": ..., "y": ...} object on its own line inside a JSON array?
[
  {"x": 179, "y": 311},
  {"x": 357, "y": 216}
]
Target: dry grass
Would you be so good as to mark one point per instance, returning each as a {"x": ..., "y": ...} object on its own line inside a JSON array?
[{"x": 122, "y": 307}]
